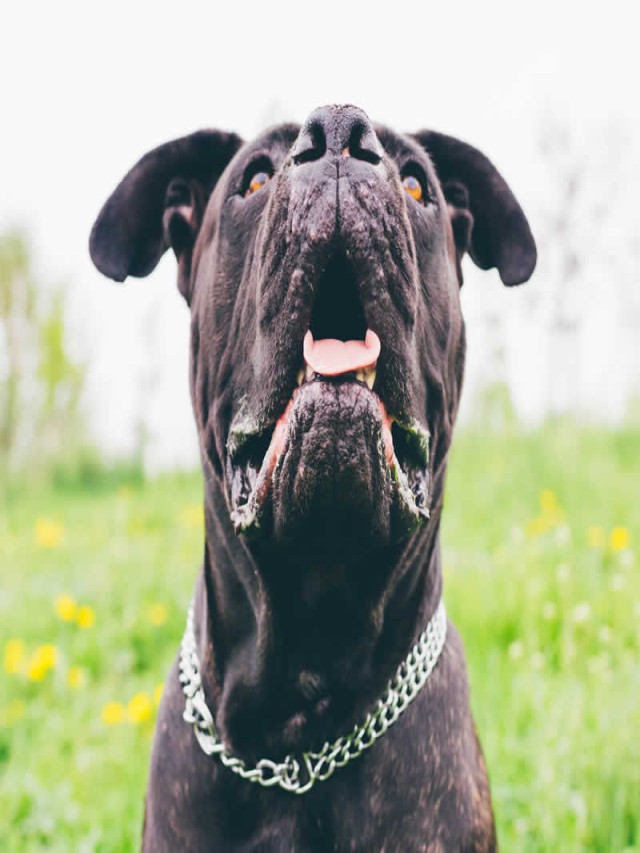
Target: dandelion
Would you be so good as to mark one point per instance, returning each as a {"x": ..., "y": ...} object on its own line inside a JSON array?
[
  {"x": 619, "y": 539},
  {"x": 139, "y": 708},
  {"x": 112, "y": 713},
  {"x": 44, "y": 659},
  {"x": 536, "y": 526},
  {"x": 65, "y": 608},
  {"x": 36, "y": 671},
  {"x": 548, "y": 501},
  {"x": 48, "y": 533},
  {"x": 595, "y": 537},
  {"x": 192, "y": 516},
  {"x": 14, "y": 655},
  {"x": 85, "y": 617},
  {"x": 157, "y": 694},
  {"x": 157, "y": 614},
  {"x": 581, "y": 612},
  {"x": 76, "y": 677}
]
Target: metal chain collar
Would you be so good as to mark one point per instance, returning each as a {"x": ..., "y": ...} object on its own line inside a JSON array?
[{"x": 298, "y": 775}]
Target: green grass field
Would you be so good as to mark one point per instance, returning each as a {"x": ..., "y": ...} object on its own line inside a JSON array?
[{"x": 540, "y": 539}]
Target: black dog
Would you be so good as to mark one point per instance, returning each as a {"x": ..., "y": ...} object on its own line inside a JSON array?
[{"x": 322, "y": 265}]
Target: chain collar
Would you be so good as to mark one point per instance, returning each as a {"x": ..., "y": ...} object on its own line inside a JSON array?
[{"x": 298, "y": 775}]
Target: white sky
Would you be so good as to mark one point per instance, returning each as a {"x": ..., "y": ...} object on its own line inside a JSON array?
[{"x": 88, "y": 88}]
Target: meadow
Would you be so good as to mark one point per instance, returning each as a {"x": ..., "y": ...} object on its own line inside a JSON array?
[{"x": 540, "y": 539}]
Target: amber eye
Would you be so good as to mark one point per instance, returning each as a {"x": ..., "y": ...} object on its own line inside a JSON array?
[
  {"x": 257, "y": 182},
  {"x": 413, "y": 186}
]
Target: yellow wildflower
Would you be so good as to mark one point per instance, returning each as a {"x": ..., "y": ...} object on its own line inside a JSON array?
[
  {"x": 112, "y": 714},
  {"x": 548, "y": 501},
  {"x": 48, "y": 654},
  {"x": 157, "y": 694},
  {"x": 36, "y": 671},
  {"x": 538, "y": 525},
  {"x": 14, "y": 654},
  {"x": 157, "y": 614},
  {"x": 48, "y": 533},
  {"x": 85, "y": 616},
  {"x": 619, "y": 539},
  {"x": 44, "y": 658},
  {"x": 192, "y": 516},
  {"x": 595, "y": 537},
  {"x": 65, "y": 608},
  {"x": 140, "y": 708},
  {"x": 76, "y": 677}
]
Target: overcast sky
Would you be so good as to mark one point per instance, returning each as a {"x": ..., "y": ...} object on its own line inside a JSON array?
[{"x": 89, "y": 88}]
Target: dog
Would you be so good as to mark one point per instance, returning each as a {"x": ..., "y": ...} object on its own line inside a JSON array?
[{"x": 320, "y": 699}]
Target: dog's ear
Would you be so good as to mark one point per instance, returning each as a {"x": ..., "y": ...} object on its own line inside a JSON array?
[
  {"x": 487, "y": 220},
  {"x": 160, "y": 203}
]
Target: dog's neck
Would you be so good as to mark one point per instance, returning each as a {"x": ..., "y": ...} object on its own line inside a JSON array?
[{"x": 293, "y": 653}]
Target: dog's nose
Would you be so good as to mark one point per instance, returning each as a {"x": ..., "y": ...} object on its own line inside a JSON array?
[{"x": 335, "y": 131}]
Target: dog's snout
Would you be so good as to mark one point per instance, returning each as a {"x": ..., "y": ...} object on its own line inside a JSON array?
[{"x": 337, "y": 131}]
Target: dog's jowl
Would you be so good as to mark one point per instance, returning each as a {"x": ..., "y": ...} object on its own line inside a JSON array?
[{"x": 319, "y": 701}]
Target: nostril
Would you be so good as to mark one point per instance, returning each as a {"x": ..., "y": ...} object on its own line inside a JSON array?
[
  {"x": 311, "y": 144},
  {"x": 364, "y": 144}
]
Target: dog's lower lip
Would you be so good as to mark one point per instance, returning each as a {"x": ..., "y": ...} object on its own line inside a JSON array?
[{"x": 406, "y": 440}]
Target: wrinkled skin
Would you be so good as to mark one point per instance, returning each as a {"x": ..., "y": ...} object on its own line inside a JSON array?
[{"x": 322, "y": 558}]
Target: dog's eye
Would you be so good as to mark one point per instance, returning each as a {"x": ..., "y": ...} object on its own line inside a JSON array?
[
  {"x": 413, "y": 186},
  {"x": 257, "y": 182}
]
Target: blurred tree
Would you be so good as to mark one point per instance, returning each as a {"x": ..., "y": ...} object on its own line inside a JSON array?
[
  {"x": 40, "y": 385},
  {"x": 588, "y": 305}
]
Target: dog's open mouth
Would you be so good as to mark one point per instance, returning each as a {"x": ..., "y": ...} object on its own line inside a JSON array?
[{"x": 335, "y": 436}]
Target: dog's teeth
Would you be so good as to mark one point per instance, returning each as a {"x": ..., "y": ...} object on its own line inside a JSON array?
[
  {"x": 370, "y": 378},
  {"x": 360, "y": 375},
  {"x": 309, "y": 371},
  {"x": 301, "y": 376}
]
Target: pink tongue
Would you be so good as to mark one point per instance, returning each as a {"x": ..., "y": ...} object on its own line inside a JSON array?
[{"x": 329, "y": 357}]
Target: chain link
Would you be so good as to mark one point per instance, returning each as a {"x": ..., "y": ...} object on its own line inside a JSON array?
[{"x": 293, "y": 775}]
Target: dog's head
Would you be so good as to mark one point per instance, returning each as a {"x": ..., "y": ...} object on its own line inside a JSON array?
[{"x": 322, "y": 265}]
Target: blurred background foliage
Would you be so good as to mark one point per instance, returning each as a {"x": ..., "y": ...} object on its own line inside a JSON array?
[
  {"x": 40, "y": 383},
  {"x": 43, "y": 427}
]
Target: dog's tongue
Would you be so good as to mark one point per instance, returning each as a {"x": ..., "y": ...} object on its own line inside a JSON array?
[{"x": 330, "y": 357}]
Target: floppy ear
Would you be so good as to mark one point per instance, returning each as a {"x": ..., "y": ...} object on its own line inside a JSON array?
[
  {"x": 487, "y": 220},
  {"x": 160, "y": 203}
]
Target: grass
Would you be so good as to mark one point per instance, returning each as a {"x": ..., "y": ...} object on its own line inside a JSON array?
[{"x": 540, "y": 537}]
